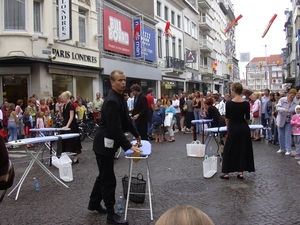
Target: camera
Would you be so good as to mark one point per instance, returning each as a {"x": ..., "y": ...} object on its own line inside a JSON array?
[{"x": 52, "y": 57}]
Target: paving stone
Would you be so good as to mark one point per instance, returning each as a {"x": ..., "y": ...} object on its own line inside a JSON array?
[{"x": 268, "y": 196}]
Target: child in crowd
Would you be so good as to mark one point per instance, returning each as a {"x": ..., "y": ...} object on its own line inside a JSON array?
[
  {"x": 295, "y": 122},
  {"x": 27, "y": 124},
  {"x": 162, "y": 109},
  {"x": 81, "y": 110},
  {"x": 40, "y": 120},
  {"x": 47, "y": 119},
  {"x": 157, "y": 123}
]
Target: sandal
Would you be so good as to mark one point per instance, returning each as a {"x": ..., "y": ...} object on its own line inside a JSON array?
[
  {"x": 224, "y": 176},
  {"x": 240, "y": 176},
  {"x": 171, "y": 140}
]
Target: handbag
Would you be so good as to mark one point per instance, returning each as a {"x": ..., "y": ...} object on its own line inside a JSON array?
[
  {"x": 185, "y": 108},
  {"x": 195, "y": 149},
  {"x": 256, "y": 114},
  {"x": 168, "y": 119},
  {"x": 137, "y": 188}
]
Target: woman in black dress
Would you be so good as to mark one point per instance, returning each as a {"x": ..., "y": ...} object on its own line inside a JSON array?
[
  {"x": 238, "y": 151},
  {"x": 72, "y": 144}
]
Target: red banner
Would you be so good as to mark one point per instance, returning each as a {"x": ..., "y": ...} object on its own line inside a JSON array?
[{"x": 117, "y": 33}]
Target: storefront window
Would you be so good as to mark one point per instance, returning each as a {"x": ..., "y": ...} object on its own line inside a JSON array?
[
  {"x": 171, "y": 87},
  {"x": 193, "y": 87},
  {"x": 84, "y": 87},
  {"x": 61, "y": 83},
  {"x": 14, "y": 88}
]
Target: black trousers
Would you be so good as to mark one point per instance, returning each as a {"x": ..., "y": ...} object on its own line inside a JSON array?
[
  {"x": 143, "y": 130},
  {"x": 105, "y": 184}
]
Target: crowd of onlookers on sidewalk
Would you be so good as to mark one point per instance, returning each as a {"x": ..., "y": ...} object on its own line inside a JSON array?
[
  {"x": 17, "y": 120},
  {"x": 275, "y": 111}
]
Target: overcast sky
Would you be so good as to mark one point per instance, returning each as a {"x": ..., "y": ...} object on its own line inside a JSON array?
[{"x": 256, "y": 15}]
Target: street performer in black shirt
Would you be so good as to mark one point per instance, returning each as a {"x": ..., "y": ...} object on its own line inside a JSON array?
[{"x": 114, "y": 122}]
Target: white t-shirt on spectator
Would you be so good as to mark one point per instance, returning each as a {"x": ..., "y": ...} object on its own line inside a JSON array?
[{"x": 176, "y": 103}]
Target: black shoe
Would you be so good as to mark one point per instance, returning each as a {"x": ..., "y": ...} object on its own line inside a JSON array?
[
  {"x": 99, "y": 209},
  {"x": 116, "y": 219}
]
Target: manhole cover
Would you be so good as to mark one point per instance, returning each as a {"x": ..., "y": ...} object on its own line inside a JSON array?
[{"x": 188, "y": 187}]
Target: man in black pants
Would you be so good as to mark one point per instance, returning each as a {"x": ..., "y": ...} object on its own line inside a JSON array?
[
  {"x": 140, "y": 111},
  {"x": 114, "y": 122}
]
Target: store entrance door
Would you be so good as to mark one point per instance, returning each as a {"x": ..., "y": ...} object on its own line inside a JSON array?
[{"x": 15, "y": 87}]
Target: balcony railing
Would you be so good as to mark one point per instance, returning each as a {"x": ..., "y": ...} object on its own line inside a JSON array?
[
  {"x": 174, "y": 63},
  {"x": 204, "y": 4},
  {"x": 206, "y": 45},
  {"x": 205, "y": 22}
]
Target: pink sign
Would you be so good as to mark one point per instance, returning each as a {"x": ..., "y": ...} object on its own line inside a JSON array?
[{"x": 117, "y": 33}]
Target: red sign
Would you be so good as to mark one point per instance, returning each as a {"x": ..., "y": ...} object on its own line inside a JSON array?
[{"x": 117, "y": 33}]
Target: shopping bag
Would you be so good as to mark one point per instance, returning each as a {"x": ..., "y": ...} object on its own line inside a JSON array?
[
  {"x": 168, "y": 119},
  {"x": 195, "y": 149},
  {"x": 210, "y": 166}
]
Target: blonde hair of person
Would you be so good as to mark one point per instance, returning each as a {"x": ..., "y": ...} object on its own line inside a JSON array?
[
  {"x": 184, "y": 215},
  {"x": 66, "y": 94}
]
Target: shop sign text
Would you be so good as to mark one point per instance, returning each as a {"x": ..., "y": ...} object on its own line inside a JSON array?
[{"x": 74, "y": 56}]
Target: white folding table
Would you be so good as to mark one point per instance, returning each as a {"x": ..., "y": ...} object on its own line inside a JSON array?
[
  {"x": 146, "y": 151},
  {"x": 34, "y": 157}
]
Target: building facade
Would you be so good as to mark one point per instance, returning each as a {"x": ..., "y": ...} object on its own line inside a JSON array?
[
  {"x": 125, "y": 47},
  {"x": 290, "y": 52},
  {"x": 44, "y": 53},
  {"x": 265, "y": 72}
]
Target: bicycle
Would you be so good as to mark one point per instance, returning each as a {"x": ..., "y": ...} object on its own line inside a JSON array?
[{"x": 87, "y": 128}]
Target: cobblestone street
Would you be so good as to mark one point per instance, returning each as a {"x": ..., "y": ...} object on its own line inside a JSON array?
[{"x": 268, "y": 196}]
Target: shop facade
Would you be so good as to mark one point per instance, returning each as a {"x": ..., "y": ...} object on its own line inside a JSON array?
[
  {"x": 44, "y": 53},
  {"x": 128, "y": 49}
]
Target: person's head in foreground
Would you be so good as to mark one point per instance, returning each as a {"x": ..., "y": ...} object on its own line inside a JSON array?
[{"x": 184, "y": 215}]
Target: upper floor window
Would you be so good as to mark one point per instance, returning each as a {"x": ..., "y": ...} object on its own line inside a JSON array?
[
  {"x": 194, "y": 30},
  {"x": 186, "y": 25},
  {"x": 158, "y": 7},
  {"x": 167, "y": 47},
  {"x": 14, "y": 14},
  {"x": 178, "y": 21},
  {"x": 166, "y": 13},
  {"x": 173, "y": 17},
  {"x": 174, "y": 46},
  {"x": 37, "y": 16},
  {"x": 82, "y": 26},
  {"x": 179, "y": 49},
  {"x": 159, "y": 44}
]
